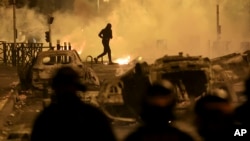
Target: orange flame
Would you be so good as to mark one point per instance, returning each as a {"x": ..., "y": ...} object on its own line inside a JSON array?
[{"x": 123, "y": 61}]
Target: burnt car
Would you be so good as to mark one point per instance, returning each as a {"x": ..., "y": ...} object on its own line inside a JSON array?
[
  {"x": 236, "y": 63},
  {"x": 232, "y": 70},
  {"x": 111, "y": 102},
  {"x": 190, "y": 75},
  {"x": 47, "y": 62}
]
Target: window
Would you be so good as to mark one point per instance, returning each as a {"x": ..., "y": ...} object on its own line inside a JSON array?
[{"x": 56, "y": 59}]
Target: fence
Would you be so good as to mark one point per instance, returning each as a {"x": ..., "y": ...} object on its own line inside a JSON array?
[
  {"x": 1, "y": 51},
  {"x": 19, "y": 55}
]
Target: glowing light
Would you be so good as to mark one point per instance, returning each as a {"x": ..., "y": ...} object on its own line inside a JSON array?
[
  {"x": 79, "y": 51},
  {"x": 79, "y": 46},
  {"x": 123, "y": 61}
]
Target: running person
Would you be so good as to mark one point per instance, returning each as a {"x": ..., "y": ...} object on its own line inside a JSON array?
[{"x": 106, "y": 35}]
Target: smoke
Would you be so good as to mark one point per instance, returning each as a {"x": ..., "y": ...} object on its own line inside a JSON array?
[
  {"x": 147, "y": 28},
  {"x": 28, "y": 22},
  {"x": 155, "y": 28}
]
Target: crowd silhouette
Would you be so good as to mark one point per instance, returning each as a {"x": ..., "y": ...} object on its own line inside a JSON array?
[
  {"x": 215, "y": 118},
  {"x": 157, "y": 114},
  {"x": 67, "y": 117}
]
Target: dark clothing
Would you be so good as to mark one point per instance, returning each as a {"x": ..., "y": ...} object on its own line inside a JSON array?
[
  {"x": 242, "y": 117},
  {"x": 241, "y": 114},
  {"x": 135, "y": 87},
  {"x": 166, "y": 133},
  {"x": 71, "y": 120},
  {"x": 106, "y": 49},
  {"x": 156, "y": 116},
  {"x": 214, "y": 118},
  {"x": 106, "y": 35}
]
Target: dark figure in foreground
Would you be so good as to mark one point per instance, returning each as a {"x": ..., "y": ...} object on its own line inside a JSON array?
[
  {"x": 67, "y": 117},
  {"x": 242, "y": 112},
  {"x": 214, "y": 118},
  {"x": 135, "y": 87},
  {"x": 106, "y": 35},
  {"x": 157, "y": 116}
]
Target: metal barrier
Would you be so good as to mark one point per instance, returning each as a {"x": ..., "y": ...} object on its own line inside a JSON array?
[
  {"x": 91, "y": 60},
  {"x": 1, "y": 51},
  {"x": 21, "y": 54}
]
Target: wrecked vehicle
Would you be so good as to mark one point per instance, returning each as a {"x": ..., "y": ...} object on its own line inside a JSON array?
[
  {"x": 119, "y": 96},
  {"x": 112, "y": 103},
  {"x": 47, "y": 62},
  {"x": 135, "y": 82},
  {"x": 190, "y": 75},
  {"x": 38, "y": 72},
  {"x": 237, "y": 63},
  {"x": 232, "y": 69}
]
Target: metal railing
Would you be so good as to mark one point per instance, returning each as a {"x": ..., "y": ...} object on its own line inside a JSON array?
[{"x": 19, "y": 55}]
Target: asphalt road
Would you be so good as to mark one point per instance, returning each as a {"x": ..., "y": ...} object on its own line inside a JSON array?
[
  {"x": 8, "y": 76},
  {"x": 8, "y": 80},
  {"x": 17, "y": 111},
  {"x": 25, "y": 114},
  {"x": 23, "y": 111}
]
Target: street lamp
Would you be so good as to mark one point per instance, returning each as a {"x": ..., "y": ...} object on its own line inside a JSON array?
[
  {"x": 218, "y": 26},
  {"x": 98, "y": 5},
  {"x": 48, "y": 33},
  {"x": 14, "y": 22}
]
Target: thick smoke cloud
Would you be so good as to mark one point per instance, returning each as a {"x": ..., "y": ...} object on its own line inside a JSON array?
[
  {"x": 147, "y": 28},
  {"x": 28, "y": 22}
]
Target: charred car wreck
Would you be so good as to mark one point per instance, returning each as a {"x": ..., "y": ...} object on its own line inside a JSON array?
[
  {"x": 237, "y": 63},
  {"x": 36, "y": 75},
  {"x": 232, "y": 69},
  {"x": 190, "y": 75},
  {"x": 48, "y": 61}
]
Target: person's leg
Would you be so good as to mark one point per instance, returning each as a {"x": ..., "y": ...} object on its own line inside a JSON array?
[
  {"x": 108, "y": 50},
  {"x": 103, "y": 53},
  {"x": 109, "y": 55},
  {"x": 99, "y": 56}
]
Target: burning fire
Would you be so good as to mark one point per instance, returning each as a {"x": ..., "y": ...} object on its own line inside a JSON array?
[{"x": 123, "y": 61}]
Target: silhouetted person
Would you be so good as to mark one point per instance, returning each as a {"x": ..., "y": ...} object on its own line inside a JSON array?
[
  {"x": 242, "y": 112},
  {"x": 157, "y": 114},
  {"x": 214, "y": 118},
  {"x": 67, "y": 117},
  {"x": 106, "y": 35}
]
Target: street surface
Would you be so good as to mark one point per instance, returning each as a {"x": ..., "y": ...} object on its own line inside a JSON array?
[
  {"x": 8, "y": 80},
  {"x": 18, "y": 111}
]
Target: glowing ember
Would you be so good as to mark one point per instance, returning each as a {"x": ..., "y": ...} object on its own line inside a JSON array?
[{"x": 123, "y": 61}]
